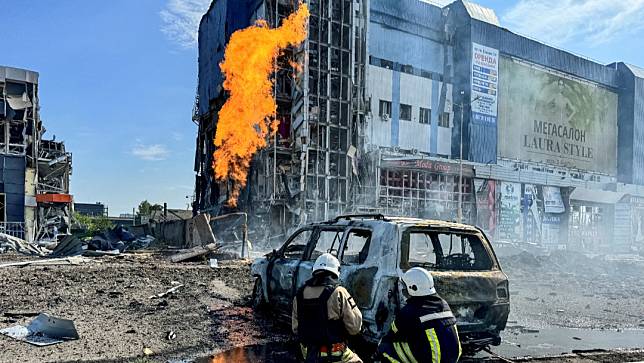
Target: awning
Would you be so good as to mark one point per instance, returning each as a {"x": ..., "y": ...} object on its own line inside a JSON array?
[{"x": 596, "y": 196}]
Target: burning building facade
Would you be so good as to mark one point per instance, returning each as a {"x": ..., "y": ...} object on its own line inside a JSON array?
[
  {"x": 34, "y": 172},
  {"x": 408, "y": 108}
]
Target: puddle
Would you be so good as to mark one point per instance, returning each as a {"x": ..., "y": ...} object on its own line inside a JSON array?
[
  {"x": 266, "y": 353},
  {"x": 555, "y": 341}
]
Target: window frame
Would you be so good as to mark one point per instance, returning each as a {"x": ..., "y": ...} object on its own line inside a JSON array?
[
  {"x": 380, "y": 108},
  {"x": 292, "y": 238},
  {"x": 403, "y": 260},
  {"x": 345, "y": 241},
  {"x": 315, "y": 237},
  {"x": 428, "y": 113},
  {"x": 400, "y": 112},
  {"x": 444, "y": 118}
]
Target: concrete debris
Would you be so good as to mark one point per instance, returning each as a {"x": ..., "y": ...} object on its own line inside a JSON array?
[
  {"x": 170, "y": 291},
  {"x": 194, "y": 252},
  {"x": 43, "y": 330}
]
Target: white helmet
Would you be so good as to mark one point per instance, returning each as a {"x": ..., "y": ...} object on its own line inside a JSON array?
[
  {"x": 327, "y": 262},
  {"x": 419, "y": 282}
]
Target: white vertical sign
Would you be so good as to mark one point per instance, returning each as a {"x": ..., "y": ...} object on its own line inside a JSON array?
[{"x": 485, "y": 81}]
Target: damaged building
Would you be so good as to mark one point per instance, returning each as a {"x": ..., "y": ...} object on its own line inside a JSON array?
[
  {"x": 34, "y": 172},
  {"x": 409, "y": 108}
]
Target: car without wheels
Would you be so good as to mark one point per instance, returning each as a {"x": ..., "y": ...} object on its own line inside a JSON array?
[{"x": 374, "y": 252}]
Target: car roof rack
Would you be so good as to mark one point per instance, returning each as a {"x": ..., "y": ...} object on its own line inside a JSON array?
[{"x": 349, "y": 217}]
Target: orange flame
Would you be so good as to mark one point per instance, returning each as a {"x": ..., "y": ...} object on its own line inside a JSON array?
[{"x": 248, "y": 116}]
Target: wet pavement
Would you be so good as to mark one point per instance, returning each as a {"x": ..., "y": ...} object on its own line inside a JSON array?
[
  {"x": 525, "y": 342},
  {"x": 555, "y": 341}
]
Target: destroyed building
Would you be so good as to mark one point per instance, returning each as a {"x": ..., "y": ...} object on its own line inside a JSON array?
[
  {"x": 34, "y": 172},
  {"x": 409, "y": 108}
]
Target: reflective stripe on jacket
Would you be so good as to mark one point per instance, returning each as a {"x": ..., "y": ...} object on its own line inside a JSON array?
[{"x": 424, "y": 331}]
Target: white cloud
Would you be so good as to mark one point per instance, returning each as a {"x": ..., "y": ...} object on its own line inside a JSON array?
[
  {"x": 181, "y": 20},
  {"x": 565, "y": 21},
  {"x": 150, "y": 152}
]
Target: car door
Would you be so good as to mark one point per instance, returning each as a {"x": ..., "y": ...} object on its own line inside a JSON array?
[
  {"x": 283, "y": 267},
  {"x": 326, "y": 239}
]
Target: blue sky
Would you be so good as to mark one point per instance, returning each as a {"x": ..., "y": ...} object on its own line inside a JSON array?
[{"x": 118, "y": 79}]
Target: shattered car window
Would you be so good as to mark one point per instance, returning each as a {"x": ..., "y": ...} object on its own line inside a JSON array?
[
  {"x": 356, "y": 248},
  {"x": 296, "y": 247},
  {"x": 444, "y": 251},
  {"x": 327, "y": 241}
]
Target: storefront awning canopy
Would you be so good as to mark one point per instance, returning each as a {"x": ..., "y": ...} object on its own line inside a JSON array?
[{"x": 596, "y": 196}]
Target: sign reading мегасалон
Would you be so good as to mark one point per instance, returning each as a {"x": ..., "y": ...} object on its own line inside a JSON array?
[
  {"x": 555, "y": 138},
  {"x": 548, "y": 118}
]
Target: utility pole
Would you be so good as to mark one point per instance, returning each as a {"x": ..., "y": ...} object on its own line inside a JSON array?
[{"x": 460, "y": 167}]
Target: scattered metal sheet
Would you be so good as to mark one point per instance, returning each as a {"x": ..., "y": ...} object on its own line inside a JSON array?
[
  {"x": 170, "y": 291},
  {"x": 68, "y": 246},
  {"x": 43, "y": 330},
  {"x": 74, "y": 260}
]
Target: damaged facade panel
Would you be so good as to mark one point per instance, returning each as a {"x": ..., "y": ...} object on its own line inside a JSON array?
[{"x": 30, "y": 166}]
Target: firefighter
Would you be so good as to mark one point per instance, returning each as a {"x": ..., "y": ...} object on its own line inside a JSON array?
[
  {"x": 425, "y": 329},
  {"x": 325, "y": 315}
]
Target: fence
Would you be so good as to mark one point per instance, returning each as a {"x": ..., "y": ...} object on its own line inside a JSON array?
[{"x": 15, "y": 229}]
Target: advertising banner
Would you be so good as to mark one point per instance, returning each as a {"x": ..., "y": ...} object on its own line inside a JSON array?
[
  {"x": 509, "y": 223},
  {"x": 486, "y": 205},
  {"x": 552, "y": 200},
  {"x": 485, "y": 80},
  {"x": 551, "y": 228},
  {"x": 547, "y": 118},
  {"x": 531, "y": 214}
]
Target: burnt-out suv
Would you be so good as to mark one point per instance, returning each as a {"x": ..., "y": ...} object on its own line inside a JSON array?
[{"x": 375, "y": 251}]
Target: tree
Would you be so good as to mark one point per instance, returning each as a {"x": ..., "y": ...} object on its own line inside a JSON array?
[
  {"x": 146, "y": 209},
  {"x": 93, "y": 225}
]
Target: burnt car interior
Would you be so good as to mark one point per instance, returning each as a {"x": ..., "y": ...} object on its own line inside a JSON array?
[{"x": 439, "y": 250}]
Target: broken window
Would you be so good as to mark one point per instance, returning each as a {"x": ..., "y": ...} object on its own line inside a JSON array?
[
  {"x": 327, "y": 241},
  {"x": 384, "y": 108},
  {"x": 295, "y": 247},
  {"x": 405, "y": 112},
  {"x": 425, "y": 116},
  {"x": 356, "y": 248},
  {"x": 443, "y": 120},
  {"x": 437, "y": 250}
]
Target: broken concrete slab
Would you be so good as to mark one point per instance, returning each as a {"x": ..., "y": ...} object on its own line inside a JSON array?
[
  {"x": 43, "y": 330},
  {"x": 194, "y": 252},
  {"x": 203, "y": 232}
]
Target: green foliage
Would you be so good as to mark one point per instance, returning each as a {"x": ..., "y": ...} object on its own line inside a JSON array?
[
  {"x": 93, "y": 225},
  {"x": 146, "y": 209}
]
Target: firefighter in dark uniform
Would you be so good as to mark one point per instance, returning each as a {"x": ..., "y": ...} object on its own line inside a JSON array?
[
  {"x": 425, "y": 329},
  {"x": 325, "y": 315}
]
